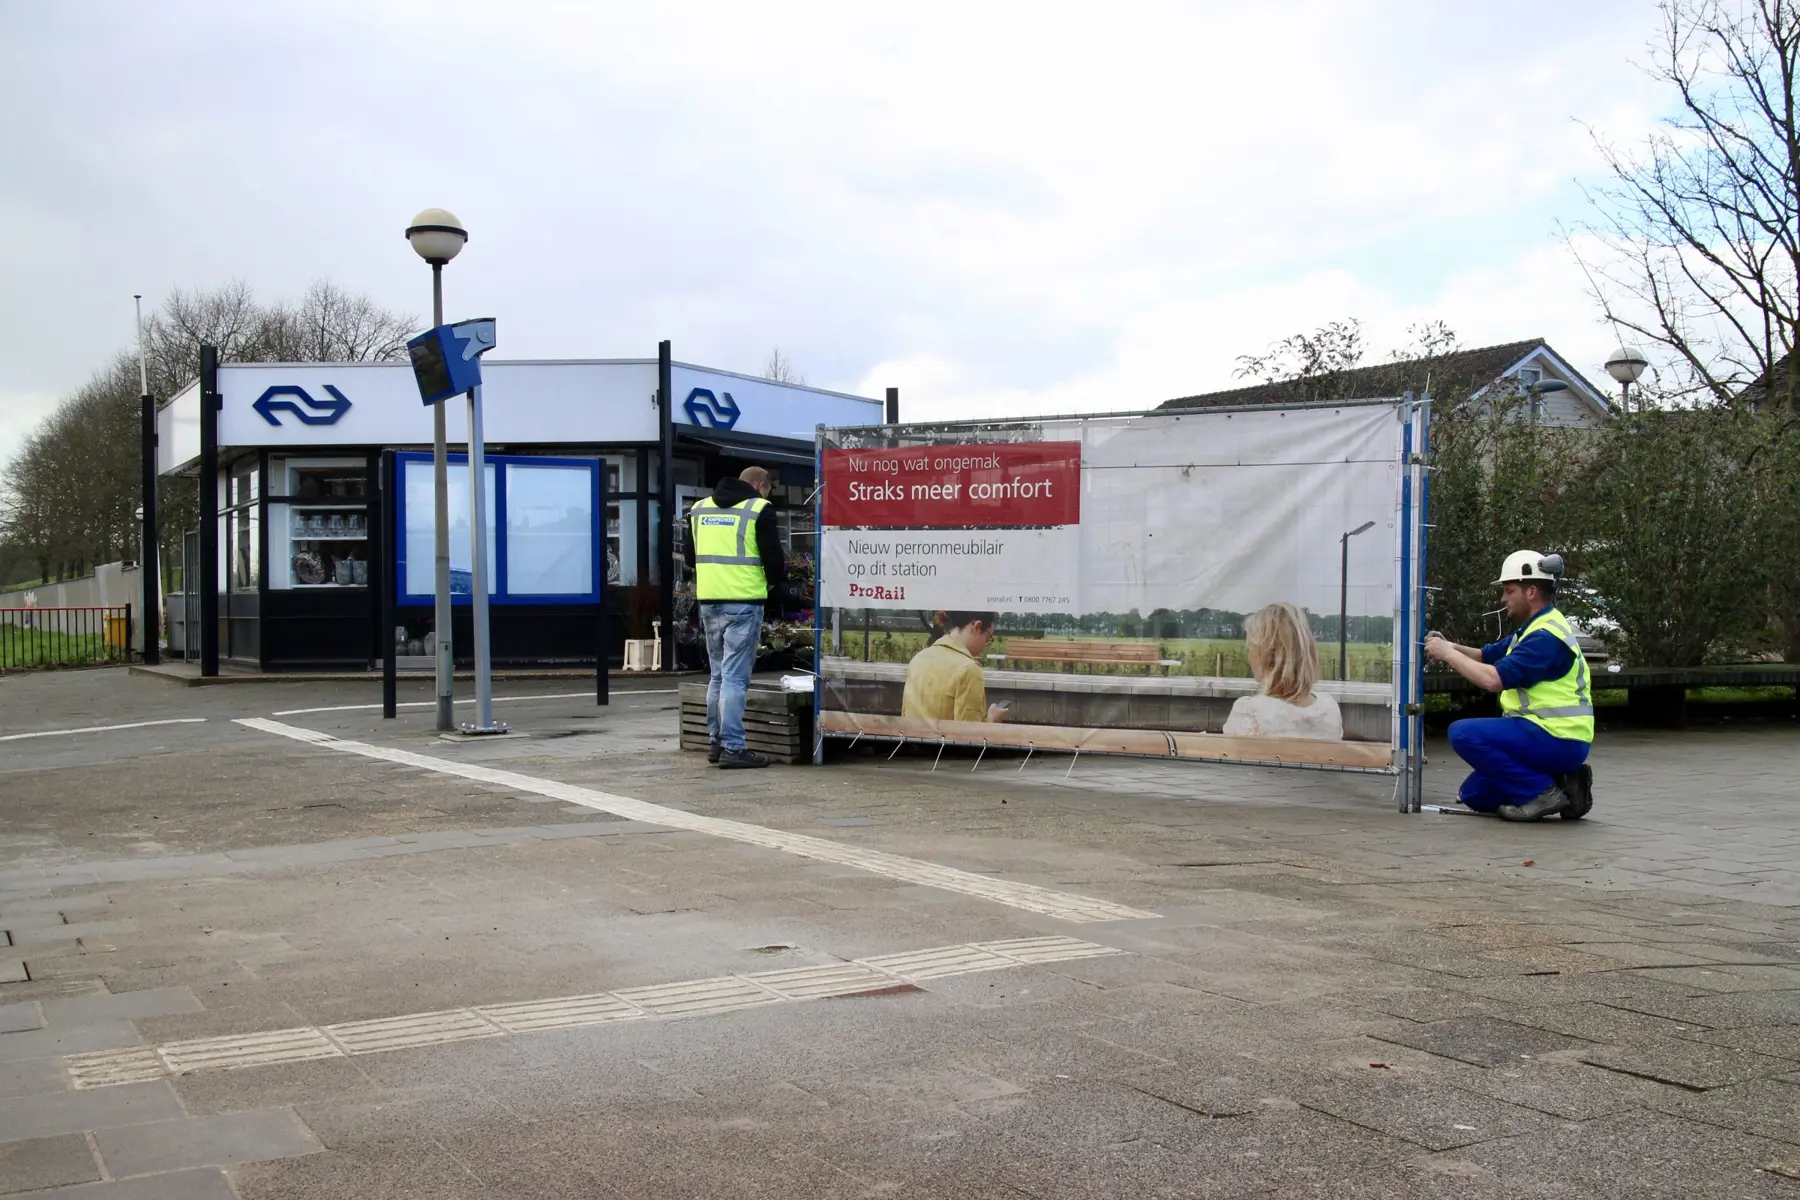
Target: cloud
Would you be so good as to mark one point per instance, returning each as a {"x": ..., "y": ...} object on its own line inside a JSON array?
[{"x": 1064, "y": 205}]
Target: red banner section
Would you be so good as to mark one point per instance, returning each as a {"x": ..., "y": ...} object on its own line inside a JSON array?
[{"x": 938, "y": 487}]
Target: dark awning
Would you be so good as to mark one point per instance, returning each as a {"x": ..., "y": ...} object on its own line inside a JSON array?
[{"x": 749, "y": 447}]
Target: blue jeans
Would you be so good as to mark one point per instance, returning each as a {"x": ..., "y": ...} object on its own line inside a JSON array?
[
  {"x": 1513, "y": 758},
  {"x": 733, "y": 631}
]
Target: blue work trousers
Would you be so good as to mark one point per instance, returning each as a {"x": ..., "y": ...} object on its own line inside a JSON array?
[
  {"x": 733, "y": 631},
  {"x": 1513, "y": 760}
]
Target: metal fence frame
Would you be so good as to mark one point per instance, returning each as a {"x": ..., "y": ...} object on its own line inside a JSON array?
[{"x": 34, "y": 637}]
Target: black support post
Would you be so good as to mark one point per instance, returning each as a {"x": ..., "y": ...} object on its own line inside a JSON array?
[
  {"x": 602, "y": 680},
  {"x": 893, "y": 406},
  {"x": 150, "y": 568},
  {"x": 665, "y": 520},
  {"x": 209, "y": 512},
  {"x": 382, "y": 548}
]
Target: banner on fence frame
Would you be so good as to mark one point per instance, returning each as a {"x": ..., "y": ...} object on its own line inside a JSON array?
[{"x": 1205, "y": 584}]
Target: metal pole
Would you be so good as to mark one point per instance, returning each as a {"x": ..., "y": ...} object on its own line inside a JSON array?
[
  {"x": 150, "y": 556},
  {"x": 665, "y": 501},
  {"x": 602, "y": 674},
  {"x": 440, "y": 478},
  {"x": 891, "y": 410},
  {"x": 1344, "y": 609},
  {"x": 387, "y": 567},
  {"x": 208, "y": 581},
  {"x": 484, "y": 687}
]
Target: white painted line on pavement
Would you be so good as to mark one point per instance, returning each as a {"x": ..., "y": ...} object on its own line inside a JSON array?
[
  {"x": 690, "y": 998},
  {"x": 587, "y": 695},
  {"x": 1065, "y": 906},
  {"x": 19, "y": 737}
]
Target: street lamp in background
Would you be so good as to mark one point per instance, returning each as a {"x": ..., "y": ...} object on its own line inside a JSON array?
[
  {"x": 437, "y": 237},
  {"x": 1626, "y": 365},
  {"x": 1344, "y": 598}
]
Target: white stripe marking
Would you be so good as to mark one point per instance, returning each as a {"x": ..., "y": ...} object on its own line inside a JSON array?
[
  {"x": 587, "y": 695},
  {"x": 19, "y": 737},
  {"x": 694, "y": 997},
  {"x": 1065, "y": 906}
]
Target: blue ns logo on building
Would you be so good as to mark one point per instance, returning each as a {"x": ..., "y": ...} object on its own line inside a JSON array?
[
  {"x": 718, "y": 412},
  {"x": 310, "y": 411}
]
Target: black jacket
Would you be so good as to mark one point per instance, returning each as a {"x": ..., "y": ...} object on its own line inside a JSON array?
[{"x": 768, "y": 536}]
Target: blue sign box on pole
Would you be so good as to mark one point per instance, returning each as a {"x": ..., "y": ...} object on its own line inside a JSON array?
[{"x": 446, "y": 360}]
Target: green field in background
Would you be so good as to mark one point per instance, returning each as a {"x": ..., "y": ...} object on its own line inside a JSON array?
[{"x": 1368, "y": 661}]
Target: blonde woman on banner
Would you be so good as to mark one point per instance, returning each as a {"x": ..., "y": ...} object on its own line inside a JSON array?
[{"x": 1285, "y": 661}]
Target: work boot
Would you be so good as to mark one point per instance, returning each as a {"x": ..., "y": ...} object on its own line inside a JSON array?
[
  {"x": 714, "y": 750},
  {"x": 738, "y": 760},
  {"x": 1580, "y": 787},
  {"x": 1551, "y": 802}
]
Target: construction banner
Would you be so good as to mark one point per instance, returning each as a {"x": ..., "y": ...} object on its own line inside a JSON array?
[{"x": 1206, "y": 584}]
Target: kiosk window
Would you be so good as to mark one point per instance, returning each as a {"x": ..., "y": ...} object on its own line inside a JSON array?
[{"x": 549, "y": 530}]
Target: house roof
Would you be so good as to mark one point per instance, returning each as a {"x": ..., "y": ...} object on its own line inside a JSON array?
[
  {"x": 1459, "y": 374},
  {"x": 1778, "y": 380}
]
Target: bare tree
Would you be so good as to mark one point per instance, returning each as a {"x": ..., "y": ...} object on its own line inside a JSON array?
[
  {"x": 68, "y": 499},
  {"x": 1312, "y": 362},
  {"x": 780, "y": 368},
  {"x": 1701, "y": 224}
]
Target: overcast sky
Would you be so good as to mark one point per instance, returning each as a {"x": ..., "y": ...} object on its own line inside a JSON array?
[{"x": 999, "y": 208}]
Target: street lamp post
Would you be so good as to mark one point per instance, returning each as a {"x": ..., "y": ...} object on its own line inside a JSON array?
[
  {"x": 437, "y": 237},
  {"x": 1344, "y": 598},
  {"x": 1626, "y": 365}
]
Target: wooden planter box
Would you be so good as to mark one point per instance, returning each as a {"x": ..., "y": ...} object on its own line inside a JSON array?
[{"x": 776, "y": 723}]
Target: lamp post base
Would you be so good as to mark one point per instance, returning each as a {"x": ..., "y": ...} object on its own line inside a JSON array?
[{"x": 472, "y": 730}]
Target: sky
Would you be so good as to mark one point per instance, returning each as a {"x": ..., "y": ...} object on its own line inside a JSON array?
[{"x": 999, "y": 208}]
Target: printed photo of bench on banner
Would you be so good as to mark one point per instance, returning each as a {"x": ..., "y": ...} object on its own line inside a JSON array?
[{"x": 1212, "y": 585}]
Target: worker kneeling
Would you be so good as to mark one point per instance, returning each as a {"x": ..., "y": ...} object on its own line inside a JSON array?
[{"x": 1530, "y": 763}]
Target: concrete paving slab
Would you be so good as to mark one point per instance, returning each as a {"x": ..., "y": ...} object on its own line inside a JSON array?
[
  {"x": 1684, "y": 1063},
  {"x": 12, "y": 970},
  {"x": 1436, "y": 1116},
  {"x": 1483, "y": 1041},
  {"x": 47, "y": 1115},
  {"x": 416, "y": 1168},
  {"x": 46, "y": 1163},
  {"x": 206, "y": 1184},
  {"x": 32, "y": 1077},
  {"x": 1639, "y": 1154},
  {"x": 50, "y": 1043},
  {"x": 219, "y": 1140},
  {"x": 20, "y": 1017},
  {"x": 120, "y": 1006},
  {"x": 1768, "y": 1108}
]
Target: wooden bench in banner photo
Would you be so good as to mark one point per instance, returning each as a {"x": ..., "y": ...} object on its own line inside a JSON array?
[
  {"x": 1093, "y": 654},
  {"x": 776, "y": 723}
]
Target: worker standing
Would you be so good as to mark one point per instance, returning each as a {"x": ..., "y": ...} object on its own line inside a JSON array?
[
  {"x": 1530, "y": 763},
  {"x": 737, "y": 569}
]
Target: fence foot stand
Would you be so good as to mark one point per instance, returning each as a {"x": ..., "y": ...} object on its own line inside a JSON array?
[
  {"x": 978, "y": 759},
  {"x": 940, "y": 754},
  {"x": 1072, "y": 762},
  {"x": 1029, "y": 750},
  {"x": 898, "y": 742}
]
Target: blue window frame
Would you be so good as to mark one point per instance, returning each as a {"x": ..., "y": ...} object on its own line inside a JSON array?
[{"x": 544, "y": 530}]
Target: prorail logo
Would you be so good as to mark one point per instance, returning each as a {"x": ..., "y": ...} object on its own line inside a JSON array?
[{"x": 877, "y": 592}]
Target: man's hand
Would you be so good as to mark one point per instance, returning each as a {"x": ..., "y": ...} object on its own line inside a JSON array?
[{"x": 1439, "y": 649}]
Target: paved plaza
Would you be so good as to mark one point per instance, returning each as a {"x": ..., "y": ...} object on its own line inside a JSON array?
[{"x": 260, "y": 943}]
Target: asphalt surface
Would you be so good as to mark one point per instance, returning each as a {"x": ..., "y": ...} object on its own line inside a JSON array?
[{"x": 328, "y": 955}]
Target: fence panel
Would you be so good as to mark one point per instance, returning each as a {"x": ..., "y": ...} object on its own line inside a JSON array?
[{"x": 63, "y": 637}]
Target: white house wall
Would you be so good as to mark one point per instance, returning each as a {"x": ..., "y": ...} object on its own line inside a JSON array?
[{"x": 523, "y": 403}]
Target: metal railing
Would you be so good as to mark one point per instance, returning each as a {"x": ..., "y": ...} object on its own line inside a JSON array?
[{"x": 63, "y": 637}]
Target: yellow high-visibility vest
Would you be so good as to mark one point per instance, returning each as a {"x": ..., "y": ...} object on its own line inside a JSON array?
[
  {"x": 1562, "y": 707},
  {"x": 726, "y": 564}
]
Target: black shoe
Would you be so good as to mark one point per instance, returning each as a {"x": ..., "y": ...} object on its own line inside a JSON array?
[
  {"x": 713, "y": 751},
  {"x": 739, "y": 760},
  {"x": 1580, "y": 787},
  {"x": 1549, "y": 804}
]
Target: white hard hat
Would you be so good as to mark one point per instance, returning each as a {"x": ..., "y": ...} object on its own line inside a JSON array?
[{"x": 1524, "y": 566}]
